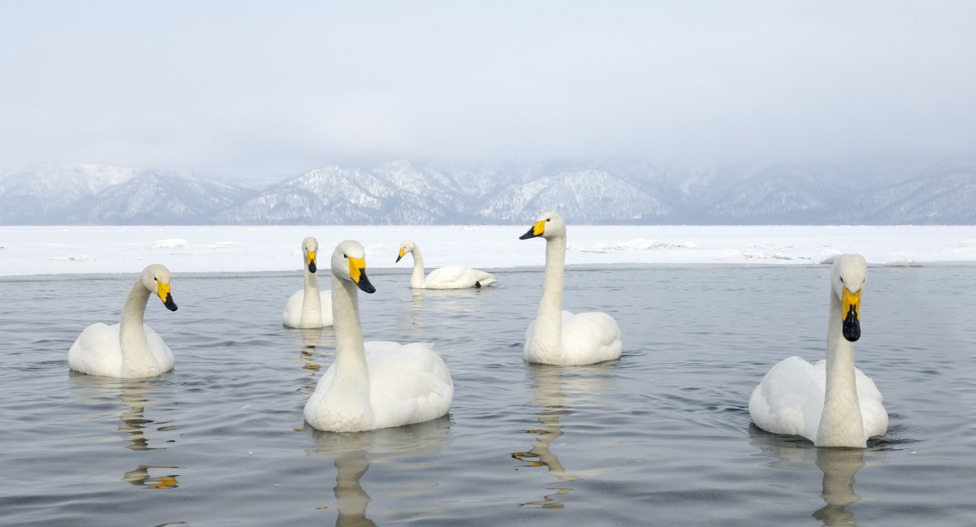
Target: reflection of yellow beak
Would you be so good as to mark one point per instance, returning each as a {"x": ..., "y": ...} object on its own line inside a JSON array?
[
  {"x": 849, "y": 299},
  {"x": 538, "y": 228},
  {"x": 356, "y": 267},
  {"x": 162, "y": 290}
]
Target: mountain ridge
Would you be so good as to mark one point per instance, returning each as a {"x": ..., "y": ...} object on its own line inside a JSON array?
[{"x": 406, "y": 192}]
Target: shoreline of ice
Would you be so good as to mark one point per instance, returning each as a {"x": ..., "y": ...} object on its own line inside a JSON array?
[{"x": 46, "y": 250}]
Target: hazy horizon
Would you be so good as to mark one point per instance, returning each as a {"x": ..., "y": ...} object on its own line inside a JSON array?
[{"x": 249, "y": 91}]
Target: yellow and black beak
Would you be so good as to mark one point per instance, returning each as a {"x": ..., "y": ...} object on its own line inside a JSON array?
[
  {"x": 400, "y": 256},
  {"x": 538, "y": 229},
  {"x": 310, "y": 261},
  {"x": 851, "y": 307},
  {"x": 357, "y": 271},
  {"x": 163, "y": 291}
]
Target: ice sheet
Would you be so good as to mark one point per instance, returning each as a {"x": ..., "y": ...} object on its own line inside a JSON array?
[{"x": 75, "y": 250}]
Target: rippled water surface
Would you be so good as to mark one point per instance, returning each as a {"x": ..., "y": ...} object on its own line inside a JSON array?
[{"x": 661, "y": 437}]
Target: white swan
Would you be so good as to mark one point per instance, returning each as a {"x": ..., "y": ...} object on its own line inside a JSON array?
[
  {"x": 557, "y": 336},
  {"x": 449, "y": 277},
  {"x": 831, "y": 403},
  {"x": 309, "y": 307},
  {"x": 373, "y": 385},
  {"x": 129, "y": 349}
]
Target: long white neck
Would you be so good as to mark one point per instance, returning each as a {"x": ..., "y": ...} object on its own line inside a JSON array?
[
  {"x": 841, "y": 423},
  {"x": 311, "y": 301},
  {"x": 137, "y": 360},
  {"x": 549, "y": 319},
  {"x": 417, "y": 278},
  {"x": 351, "y": 375}
]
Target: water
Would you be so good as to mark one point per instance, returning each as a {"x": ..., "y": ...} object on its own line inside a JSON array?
[{"x": 662, "y": 437}]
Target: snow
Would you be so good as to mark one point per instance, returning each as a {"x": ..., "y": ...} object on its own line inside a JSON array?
[{"x": 236, "y": 249}]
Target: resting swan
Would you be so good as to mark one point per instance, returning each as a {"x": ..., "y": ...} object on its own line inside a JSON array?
[
  {"x": 831, "y": 403},
  {"x": 129, "y": 349},
  {"x": 373, "y": 385},
  {"x": 557, "y": 336},
  {"x": 309, "y": 307},
  {"x": 449, "y": 277}
]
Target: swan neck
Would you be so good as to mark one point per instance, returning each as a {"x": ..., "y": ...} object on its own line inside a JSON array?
[
  {"x": 132, "y": 334},
  {"x": 841, "y": 423},
  {"x": 311, "y": 300},
  {"x": 417, "y": 278},
  {"x": 350, "y": 351},
  {"x": 549, "y": 319}
]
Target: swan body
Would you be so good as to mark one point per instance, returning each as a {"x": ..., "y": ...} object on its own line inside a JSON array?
[
  {"x": 831, "y": 403},
  {"x": 557, "y": 336},
  {"x": 129, "y": 349},
  {"x": 373, "y": 385},
  {"x": 449, "y": 277},
  {"x": 309, "y": 307}
]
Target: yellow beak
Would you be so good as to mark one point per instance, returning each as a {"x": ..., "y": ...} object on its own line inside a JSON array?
[
  {"x": 162, "y": 290},
  {"x": 538, "y": 228},
  {"x": 356, "y": 267},
  {"x": 849, "y": 299}
]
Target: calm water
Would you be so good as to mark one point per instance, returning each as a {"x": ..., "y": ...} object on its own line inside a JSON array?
[{"x": 662, "y": 437}]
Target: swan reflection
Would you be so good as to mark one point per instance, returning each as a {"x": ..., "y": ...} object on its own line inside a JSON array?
[
  {"x": 139, "y": 431},
  {"x": 557, "y": 390},
  {"x": 838, "y": 465},
  {"x": 353, "y": 453}
]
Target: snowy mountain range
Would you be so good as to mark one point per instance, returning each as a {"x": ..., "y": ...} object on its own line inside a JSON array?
[{"x": 402, "y": 192}]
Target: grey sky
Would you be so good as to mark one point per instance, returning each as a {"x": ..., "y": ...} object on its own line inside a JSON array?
[{"x": 271, "y": 89}]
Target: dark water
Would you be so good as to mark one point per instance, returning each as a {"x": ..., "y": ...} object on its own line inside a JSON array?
[{"x": 661, "y": 437}]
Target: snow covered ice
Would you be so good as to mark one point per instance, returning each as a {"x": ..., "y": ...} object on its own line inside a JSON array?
[{"x": 35, "y": 250}]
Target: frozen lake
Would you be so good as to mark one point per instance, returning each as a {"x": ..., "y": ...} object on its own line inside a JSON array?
[{"x": 661, "y": 437}]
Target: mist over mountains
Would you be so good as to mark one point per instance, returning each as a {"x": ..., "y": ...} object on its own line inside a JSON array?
[{"x": 404, "y": 192}]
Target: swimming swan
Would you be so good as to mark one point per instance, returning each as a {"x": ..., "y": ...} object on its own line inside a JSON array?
[
  {"x": 309, "y": 307},
  {"x": 129, "y": 349},
  {"x": 831, "y": 403},
  {"x": 373, "y": 385},
  {"x": 449, "y": 277},
  {"x": 557, "y": 336}
]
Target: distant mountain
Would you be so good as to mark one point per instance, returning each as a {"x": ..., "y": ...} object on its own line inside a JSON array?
[{"x": 402, "y": 192}]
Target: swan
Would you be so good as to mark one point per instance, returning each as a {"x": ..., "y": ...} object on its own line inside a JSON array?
[
  {"x": 831, "y": 403},
  {"x": 557, "y": 336},
  {"x": 129, "y": 349},
  {"x": 449, "y": 277},
  {"x": 375, "y": 384},
  {"x": 309, "y": 307}
]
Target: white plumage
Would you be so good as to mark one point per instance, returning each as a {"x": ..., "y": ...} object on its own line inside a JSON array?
[
  {"x": 557, "y": 336},
  {"x": 376, "y": 384},
  {"x": 831, "y": 403},
  {"x": 309, "y": 307},
  {"x": 129, "y": 349},
  {"x": 448, "y": 277}
]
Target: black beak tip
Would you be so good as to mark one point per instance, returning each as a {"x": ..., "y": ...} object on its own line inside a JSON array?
[
  {"x": 398, "y": 259},
  {"x": 170, "y": 305},
  {"x": 311, "y": 267},
  {"x": 851, "y": 327},
  {"x": 527, "y": 235},
  {"x": 364, "y": 284}
]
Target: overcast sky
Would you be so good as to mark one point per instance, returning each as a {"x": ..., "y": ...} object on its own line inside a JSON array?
[{"x": 272, "y": 89}]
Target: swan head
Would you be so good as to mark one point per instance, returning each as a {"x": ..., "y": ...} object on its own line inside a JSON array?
[
  {"x": 155, "y": 278},
  {"x": 349, "y": 263},
  {"x": 847, "y": 277},
  {"x": 310, "y": 246},
  {"x": 406, "y": 247},
  {"x": 546, "y": 225}
]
